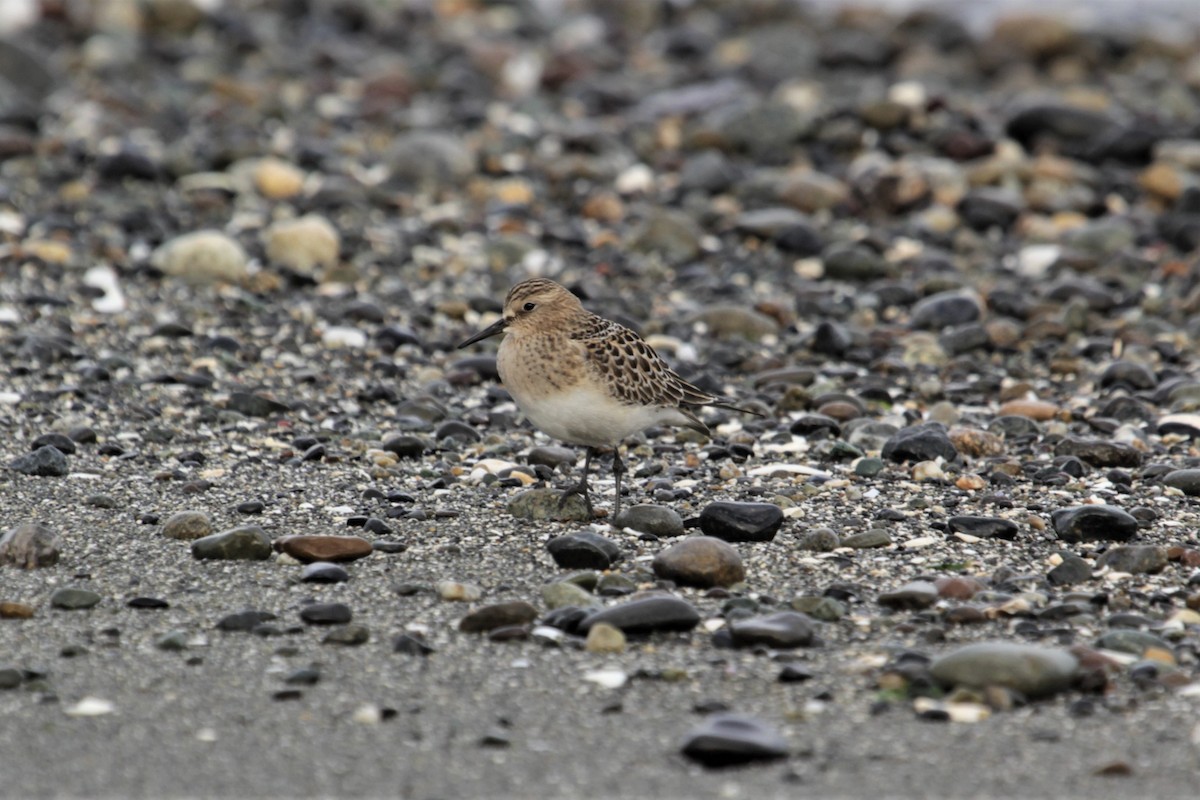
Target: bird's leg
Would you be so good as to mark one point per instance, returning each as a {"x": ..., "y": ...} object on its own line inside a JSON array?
[
  {"x": 618, "y": 471},
  {"x": 580, "y": 488}
]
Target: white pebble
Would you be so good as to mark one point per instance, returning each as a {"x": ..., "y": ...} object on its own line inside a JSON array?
[
  {"x": 344, "y": 337},
  {"x": 90, "y": 707},
  {"x": 608, "y": 678}
]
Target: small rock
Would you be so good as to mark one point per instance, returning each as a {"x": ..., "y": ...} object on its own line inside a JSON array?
[
  {"x": 741, "y": 522},
  {"x": 1070, "y": 571},
  {"x": 1029, "y": 669},
  {"x": 348, "y": 635},
  {"x": 726, "y": 739},
  {"x": 1093, "y": 523},
  {"x": 45, "y": 462},
  {"x": 13, "y": 610},
  {"x": 70, "y": 598},
  {"x": 924, "y": 442},
  {"x": 1099, "y": 452},
  {"x": 584, "y": 550},
  {"x": 1136, "y": 559},
  {"x": 323, "y": 572},
  {"x": 984, "y": 527},
  {"x": 187, "y": 525},
  {"x": 247, "y": 543},
  {"x": 201, "y": 257},
  {"x": 1185, "y": 480},
  {"x": 702, "y": 561},
  {"x": 29, "y": 546},
  {"x": 605, "y": 638},
  {"x": 912, "y": 595},
  {"x": 875, "y": 537},
  {"x": 658, "y": 612},
  {"x": 562, "y": 594},
  {"x": 318, "y": 547},
  {"x": 656, "y": 520},
  {"x": 499, "y": 615},
  {"x": 945, "y": 309},
  {"x": 326, "y": 613},
  {"x": 542, "y": 505},
  {"x": 456, "y": 592},
  {"x": 303, "y": 245},
  {"x": 781, "y": 630}
]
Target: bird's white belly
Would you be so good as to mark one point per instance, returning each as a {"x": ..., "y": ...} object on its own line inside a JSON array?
[{"x": 587, "y": 416}]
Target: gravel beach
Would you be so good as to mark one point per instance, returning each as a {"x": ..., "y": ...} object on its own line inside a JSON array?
[{"x": 265, "y": 531}]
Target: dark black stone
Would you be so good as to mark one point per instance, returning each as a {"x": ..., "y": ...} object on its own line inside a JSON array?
[
  {"x": 646, "y": 614},
  {"x": 725, "y": 739},
  {"x": 920, "y": 443},
  {"x": 584, "y": 550},
  {"x": 326, "y": 613},
  {"x": 1094, "y": 523},
  {"x": 741, "y": 522},
  {"x": 986, "y": 527}
]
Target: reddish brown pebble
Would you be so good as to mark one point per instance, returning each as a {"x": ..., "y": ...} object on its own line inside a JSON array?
[
  {"x": 11, "y": 610},
  {"x": 1033, "y": 409},
  {"x": 957, "y": 588},
  {"x": 306, "y": 548}
]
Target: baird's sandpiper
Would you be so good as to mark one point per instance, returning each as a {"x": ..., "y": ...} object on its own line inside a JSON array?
[{"x": 584, "y": 379}]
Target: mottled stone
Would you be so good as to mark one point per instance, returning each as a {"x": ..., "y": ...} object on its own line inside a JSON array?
[
  {"x": 517, "y": 612},
  {"x": 701, "y": 561},
  {"x": 30, "y": 546},
  {"x": 247, "y": 543}
]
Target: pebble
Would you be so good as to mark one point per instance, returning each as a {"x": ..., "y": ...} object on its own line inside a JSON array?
[
  {"x": 781, "y": 630},
  {"x": 920, "y": 443},
  {"x": 202, "y": 257},
  {"x": 13, "y": 610},
  {"x": 912, "y": 595},
  {"x": 875, "y": 537},
  {"x": 348, "y": 635},
  {"x": 726, "y": 739},
  {"x": 563, "y": 594},
  {"x": 653, "y": 519},
  {"x": 482, "y": 620},
  {"x": 1032, "y": 670},
  {"x": 1185, "y": 480},
  {"x": 741, "y": 522},
  {"x": 642, "y": 615},
  {"x": 45, "y": 462},
  {"x": 1099, "y": 452},
  {"x": 702, "y": 561},
  {"x": 541, "y": 505},
  {"x": 603, "y": 637},
  {"x": 187, "y": 525},
  {"x": 242, "y": 621},
  {"x": 584, "y": 550},
  {"x": 319, "y": 547},
  {"x": 71, "y": 598},
  {"x": 457, "y": 592},
  {"x": 31, "y": 545},
  {"x": 984, "y": 527},
  {"x": 1136, "y": 559},
  {"x": 1070, "y": 571},
  {"x": 303, "y": 245},
  {"x": 247, "y": 543},
  {"x": 326, "y": 613},
  {"x": 323, "y": 572},
  {"x": 820, "y": 540},
  {"x": 1094, "y": 523}
]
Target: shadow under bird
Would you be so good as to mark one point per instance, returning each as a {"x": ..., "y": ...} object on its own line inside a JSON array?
[{"x": 587, "y": 380}]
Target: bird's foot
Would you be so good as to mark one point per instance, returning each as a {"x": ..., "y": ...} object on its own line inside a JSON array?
[{"x": 580, "y": 489}]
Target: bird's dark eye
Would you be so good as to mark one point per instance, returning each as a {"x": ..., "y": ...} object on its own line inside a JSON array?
[{"x": 529, "y": 306}]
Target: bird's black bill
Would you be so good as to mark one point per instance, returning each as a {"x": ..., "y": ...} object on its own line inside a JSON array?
[{"x": 495, "y": 328}]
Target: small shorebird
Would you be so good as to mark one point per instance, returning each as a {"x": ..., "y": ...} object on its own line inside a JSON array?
[{"x": 584, "y": 379}]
